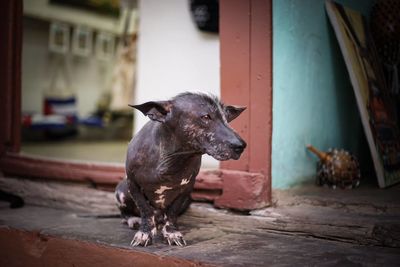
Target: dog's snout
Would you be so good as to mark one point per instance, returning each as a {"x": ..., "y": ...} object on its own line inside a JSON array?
[{"x": 238, "y": 146}]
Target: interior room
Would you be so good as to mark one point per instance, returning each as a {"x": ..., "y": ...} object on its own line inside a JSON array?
[{"x": 78, "y": 77}]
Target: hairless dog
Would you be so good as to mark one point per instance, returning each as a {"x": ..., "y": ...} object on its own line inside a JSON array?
[{"x": 164, "y": 158}]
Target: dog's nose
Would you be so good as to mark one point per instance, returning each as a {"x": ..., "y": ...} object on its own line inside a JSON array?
[{"x": 238, "y": 146}]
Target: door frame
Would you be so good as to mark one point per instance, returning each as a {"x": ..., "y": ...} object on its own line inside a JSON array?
[{"x": 246, "y": 79}]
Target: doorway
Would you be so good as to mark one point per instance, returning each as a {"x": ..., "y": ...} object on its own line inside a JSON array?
[{"x": 78, "y": 75}]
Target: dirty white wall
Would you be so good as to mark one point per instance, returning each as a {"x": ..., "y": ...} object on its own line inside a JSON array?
[
  {"x": 89, "y": 76},
  {"x": 173, "y": 56}
]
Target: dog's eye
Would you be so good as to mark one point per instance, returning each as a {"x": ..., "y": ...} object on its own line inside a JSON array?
[{"x": 206, "y": 117}]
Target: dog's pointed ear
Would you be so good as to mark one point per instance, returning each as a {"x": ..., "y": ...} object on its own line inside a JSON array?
[
  {"x": 156, "y": 111},
  {"x": 232, "y": 112}
]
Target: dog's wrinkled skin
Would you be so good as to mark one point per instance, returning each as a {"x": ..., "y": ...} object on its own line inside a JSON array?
[{"x": 164, "y": 158}]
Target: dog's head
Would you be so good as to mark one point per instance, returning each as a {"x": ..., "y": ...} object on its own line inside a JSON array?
[{"x": 201, "y": 122}]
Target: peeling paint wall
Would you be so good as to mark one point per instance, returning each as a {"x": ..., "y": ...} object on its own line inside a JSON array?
[{"x": 313, "y": 98}]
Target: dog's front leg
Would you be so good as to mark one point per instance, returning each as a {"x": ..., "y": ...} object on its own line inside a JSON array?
[
  {"x": 170, "y": 228},
  {"x": 147, "y": 229}
]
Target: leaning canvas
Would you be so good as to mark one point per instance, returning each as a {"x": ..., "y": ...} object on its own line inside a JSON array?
[{"x": 369, "y": 86}]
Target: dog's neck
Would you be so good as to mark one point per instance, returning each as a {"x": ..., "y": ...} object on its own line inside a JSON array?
[
  {"x": 175, "y": 155},
  {"x": 173, "y": 143}
]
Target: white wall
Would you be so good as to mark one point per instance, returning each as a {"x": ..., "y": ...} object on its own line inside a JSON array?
[
  {"x": 173, "y": 56},
  {"x": 89, "y": 76}
]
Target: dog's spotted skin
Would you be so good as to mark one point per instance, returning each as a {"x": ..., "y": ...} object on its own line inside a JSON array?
[{"x": 164, "y": 159}]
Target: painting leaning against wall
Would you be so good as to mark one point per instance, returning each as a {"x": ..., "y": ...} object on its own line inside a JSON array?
[{"x": 376, "y": 108}]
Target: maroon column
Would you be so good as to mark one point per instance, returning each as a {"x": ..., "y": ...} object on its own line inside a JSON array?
[{"x": 246, "y": 79}]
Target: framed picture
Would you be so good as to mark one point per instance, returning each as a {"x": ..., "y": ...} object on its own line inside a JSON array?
[
  {"x": 59, "y": 37},
  {"x": 82, "y": 44},
  {"x": 105, "y": 46},
  {"x": 376, "y": 110}
]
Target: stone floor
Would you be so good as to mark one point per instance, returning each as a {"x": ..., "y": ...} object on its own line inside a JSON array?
[{"x": 307, "y": 226}]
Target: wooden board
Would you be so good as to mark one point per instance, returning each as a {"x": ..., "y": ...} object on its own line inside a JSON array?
[
  {"x": 366, "y": 216},
  {"x": 300, "y": 236}
]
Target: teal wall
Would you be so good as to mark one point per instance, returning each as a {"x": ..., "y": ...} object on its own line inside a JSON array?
[{"x": 313, "y": 101}]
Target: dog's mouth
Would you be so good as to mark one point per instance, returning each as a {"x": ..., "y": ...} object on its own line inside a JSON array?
[
  {"x": 224, "y": 151},
  {"x": 226, "y": 155},
  {"x": 236, "y": 155}
]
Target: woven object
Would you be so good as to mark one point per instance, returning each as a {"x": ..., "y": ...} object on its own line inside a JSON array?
[{"x": 337, "y": 168}]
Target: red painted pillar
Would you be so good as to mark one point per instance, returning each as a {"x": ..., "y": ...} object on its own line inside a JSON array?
[
  {"x": 235, "y": 66},
  {"x": 10, "y": 76},
  {"x": 246, "y": 79}
]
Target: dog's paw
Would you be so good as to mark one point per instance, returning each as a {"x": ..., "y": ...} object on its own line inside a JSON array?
[
  {"x": 142, "y": 239},
  {"x": 174, "y": 238}
]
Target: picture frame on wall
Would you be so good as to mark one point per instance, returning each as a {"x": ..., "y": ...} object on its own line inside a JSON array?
[
  {"x": 105, "y": 46},
  {"x": 82, "y": 41},
  {"x": 59, "y": 38}
]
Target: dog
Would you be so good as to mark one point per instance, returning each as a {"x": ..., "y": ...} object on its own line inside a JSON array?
[{"x": 164, "y": 157}]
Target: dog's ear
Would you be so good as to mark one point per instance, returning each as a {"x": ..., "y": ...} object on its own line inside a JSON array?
[
  {"x": 232, "y": 112},
  {"x": 156, "y": 111}
]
